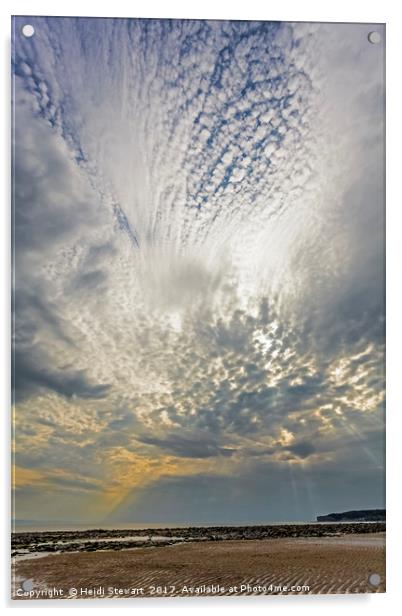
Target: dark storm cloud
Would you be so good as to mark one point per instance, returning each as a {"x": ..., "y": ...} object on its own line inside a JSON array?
[
  {"x": 33, "y": 375},
  {"x": 188, "y": 447},
  {"x": 303, "y": 449},
  {"x": 50, "y": 204},
  {"x": 33, "y": 312}
]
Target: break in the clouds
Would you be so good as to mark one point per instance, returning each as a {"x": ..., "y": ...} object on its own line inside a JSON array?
[{"x": 198, "y": 299}]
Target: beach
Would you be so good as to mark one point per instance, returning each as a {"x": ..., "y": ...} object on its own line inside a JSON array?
[{"x": 337, "y": 563}]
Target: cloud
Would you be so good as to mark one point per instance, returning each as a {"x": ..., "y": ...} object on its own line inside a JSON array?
[
  {"x": 199, "y": 260},
  {"x": 302, "y": 449},
  {"x": 188, "y": 447},
  {"x": 267, "y": 493},
  {"x": 32, "y": 377}
]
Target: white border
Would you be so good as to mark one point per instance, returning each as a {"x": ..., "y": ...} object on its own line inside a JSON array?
[{"x": 291, "y": 10}]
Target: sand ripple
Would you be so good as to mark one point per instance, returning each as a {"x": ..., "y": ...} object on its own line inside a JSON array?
[{"x": 334, "y": 565}]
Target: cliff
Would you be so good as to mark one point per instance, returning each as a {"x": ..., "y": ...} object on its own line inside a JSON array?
[{"x": 362, "y": 515}]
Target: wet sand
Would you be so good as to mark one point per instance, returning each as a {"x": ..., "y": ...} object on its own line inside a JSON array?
[{"x": 309, "y": 564}]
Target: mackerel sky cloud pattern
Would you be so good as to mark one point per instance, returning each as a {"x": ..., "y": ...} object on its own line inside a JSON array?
[{"x": 199, "y": 270}]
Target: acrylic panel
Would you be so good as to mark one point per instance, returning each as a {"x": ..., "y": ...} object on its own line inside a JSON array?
[{"x": 198, "y": 308}]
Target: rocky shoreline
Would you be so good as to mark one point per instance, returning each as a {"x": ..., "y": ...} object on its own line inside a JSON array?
[{"x": 25, "y": 543}]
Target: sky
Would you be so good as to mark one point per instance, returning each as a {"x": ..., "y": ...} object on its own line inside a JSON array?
[{"x": 198, "y": 271}]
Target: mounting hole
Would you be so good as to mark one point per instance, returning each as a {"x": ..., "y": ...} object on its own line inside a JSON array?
[
  {"x": 28, "y": 30},
  {"x": 374, "y": 579},
  {"x": 374, "y": 37},
  {"x": 27, "y": 585}
]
